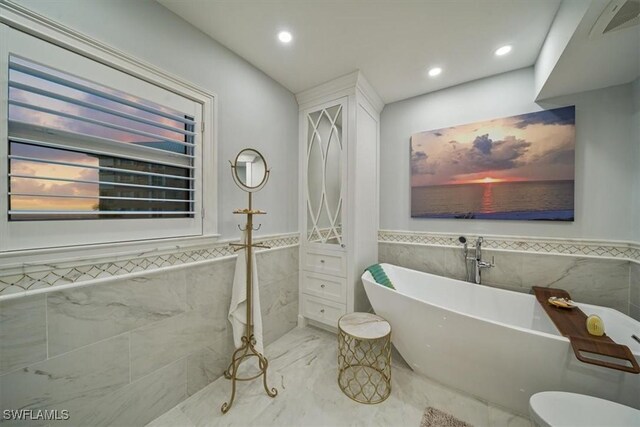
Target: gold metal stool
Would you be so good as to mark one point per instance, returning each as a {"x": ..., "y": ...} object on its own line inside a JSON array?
[{"x": 364, "y": 357}]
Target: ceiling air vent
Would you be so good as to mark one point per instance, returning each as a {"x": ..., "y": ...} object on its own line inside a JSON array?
[{"x": 617, "y": 15}]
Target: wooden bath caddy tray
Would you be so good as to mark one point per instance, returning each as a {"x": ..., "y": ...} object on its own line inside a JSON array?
[{"x": 571, "y": 323}]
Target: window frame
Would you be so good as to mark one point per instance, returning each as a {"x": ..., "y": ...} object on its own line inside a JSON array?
[{"x": 16, "y": 17}]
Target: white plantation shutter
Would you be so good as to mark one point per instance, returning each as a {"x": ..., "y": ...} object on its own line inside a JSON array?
[
  {"x": 156, "y": 168},
  {"x": 94, "y": 154}
]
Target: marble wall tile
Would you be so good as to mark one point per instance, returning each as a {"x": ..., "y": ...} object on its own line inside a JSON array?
[
  {"x": 164, "y": 342},
  {"x": 209, "y": 286},
  {"x": 634, "y": 283},
  {"x": 454, "y": 262},
  {"x": 634, "y": 290},
  {"x": 589, "y": 280},
  {"x": 507, "y": 271},
  {"x": 137, "y": 403},
  {"x": 277, "y": 264},
  {"x": 86, "y": 315},
  {"x": 279, "y": 305},
  {"x": 208, "y": 364},
  {"x": 71, "y": 381},
  {"x": 124, "y": 352},
  {"x": 22, "y": 332},
  {"x": 430, "y": 259}
]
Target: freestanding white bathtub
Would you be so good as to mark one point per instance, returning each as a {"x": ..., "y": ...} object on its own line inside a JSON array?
[{"x": 497, "y": 345}]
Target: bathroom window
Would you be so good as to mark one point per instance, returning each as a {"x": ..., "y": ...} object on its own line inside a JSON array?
[{"x": 95, "y": 154}]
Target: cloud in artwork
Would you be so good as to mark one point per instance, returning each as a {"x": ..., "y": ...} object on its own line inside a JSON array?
[
  {"x": 530, "y": 147},
  {"x": 558, "y": 116},
  {"x": 483, "y": 144},
  {"x": 419, "y": 164},
  {"x": 486, "y": 154}
]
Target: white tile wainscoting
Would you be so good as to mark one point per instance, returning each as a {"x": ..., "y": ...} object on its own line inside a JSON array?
[
  {"x": 596, "y": 272},
  {"x": 126, "y": 351}
]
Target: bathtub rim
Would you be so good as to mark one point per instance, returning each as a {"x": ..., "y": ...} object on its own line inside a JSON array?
[{"x": 369, "y": 278}]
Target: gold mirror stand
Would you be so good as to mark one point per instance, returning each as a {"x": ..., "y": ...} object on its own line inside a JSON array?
[{"x": 247, "y": 350}]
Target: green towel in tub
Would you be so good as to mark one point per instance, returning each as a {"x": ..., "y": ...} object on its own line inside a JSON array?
[{"x": 380, "y": 276}]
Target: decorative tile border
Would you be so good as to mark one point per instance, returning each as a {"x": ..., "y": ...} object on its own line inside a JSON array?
[
  {"x": 593, "y": 248},
  {"x": 51, "y": 276}
]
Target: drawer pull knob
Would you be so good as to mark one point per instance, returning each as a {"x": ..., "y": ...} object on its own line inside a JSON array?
[
  {"x": 322, "y": 311},
  {"x": 322, "y": 261},
  {"x": 322, "y": 286}
]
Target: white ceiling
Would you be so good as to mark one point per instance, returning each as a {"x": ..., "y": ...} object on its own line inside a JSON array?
[
  {"x": 589, "y": 62},
  {"x": 393, "y": 42}
]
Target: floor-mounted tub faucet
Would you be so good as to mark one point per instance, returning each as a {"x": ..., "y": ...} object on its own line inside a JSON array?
[{"x": 478, "y": 263}]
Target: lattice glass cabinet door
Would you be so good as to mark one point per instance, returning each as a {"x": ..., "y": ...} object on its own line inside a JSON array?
[{"x": 325, "y": 192}]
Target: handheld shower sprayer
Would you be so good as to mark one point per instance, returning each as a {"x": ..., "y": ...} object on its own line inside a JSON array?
[{"x": 463, "y": 240}]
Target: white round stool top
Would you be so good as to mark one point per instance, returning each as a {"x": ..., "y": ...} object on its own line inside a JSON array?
[
  {"x": 557, "y": 408},
  {"x": 364, "y": 325}
]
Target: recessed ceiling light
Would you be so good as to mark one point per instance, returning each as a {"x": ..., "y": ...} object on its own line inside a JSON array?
[
  {"x": 435, "y": 71},
  {"x": 285, "y": 36},
  {"x": 503, "y": 50}
]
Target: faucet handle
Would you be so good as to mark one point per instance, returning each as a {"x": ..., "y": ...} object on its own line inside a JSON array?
[{"x": 487, "y": 264}]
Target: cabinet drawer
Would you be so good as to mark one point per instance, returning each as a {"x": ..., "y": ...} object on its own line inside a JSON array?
[
  {"x": 326, "y": 262},
  {"x": 321, "y": 310},
  {"x": 324, "y": 286}
]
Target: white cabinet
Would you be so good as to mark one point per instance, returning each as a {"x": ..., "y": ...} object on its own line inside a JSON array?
[{"x": 339, "y": 164}]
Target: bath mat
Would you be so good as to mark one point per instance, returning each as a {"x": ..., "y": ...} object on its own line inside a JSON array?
[{"x": 435, "y": 418}]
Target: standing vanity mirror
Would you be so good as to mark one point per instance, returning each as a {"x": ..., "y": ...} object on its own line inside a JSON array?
[
  {"x": 249, "y": 170},
  {"x": 250, "y": 173}
]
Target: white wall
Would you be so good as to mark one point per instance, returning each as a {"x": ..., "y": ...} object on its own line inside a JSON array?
[
  {"x": 606, "y": 155},
  {"x": 564, "y": 25},
  {"x": 253, "y": 110},
  {"x": 635, "y": 207}
]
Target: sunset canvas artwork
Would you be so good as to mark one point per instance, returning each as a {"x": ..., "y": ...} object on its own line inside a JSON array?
[{"x": 514, "y": 168}]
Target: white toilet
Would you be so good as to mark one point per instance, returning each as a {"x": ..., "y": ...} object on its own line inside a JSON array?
[{"x": 563, "y": 409}]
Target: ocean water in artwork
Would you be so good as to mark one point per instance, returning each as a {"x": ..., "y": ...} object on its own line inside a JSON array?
[
  {"x": 520, "y": 167},
  {"x": 544, "y": 200}
]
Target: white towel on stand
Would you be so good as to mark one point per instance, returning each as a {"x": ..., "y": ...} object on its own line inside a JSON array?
[{"x": 238, "y": 308}]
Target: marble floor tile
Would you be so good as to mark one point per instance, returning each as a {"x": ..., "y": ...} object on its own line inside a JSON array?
[
  {"x": 173, "y": 418},
  {"x": 500, "y": 417},
  {"x": 302, "y": 366}
]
